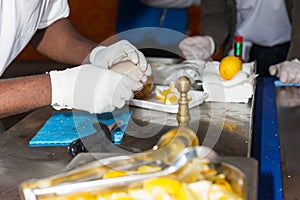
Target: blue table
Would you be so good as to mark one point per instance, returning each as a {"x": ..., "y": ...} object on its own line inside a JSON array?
[{"x": 265, "y": 141}]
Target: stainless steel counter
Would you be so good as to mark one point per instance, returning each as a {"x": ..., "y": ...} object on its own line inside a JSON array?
[
  {"x": 19, "y": 162},
  {"x": 225, "y": 127},
  {"x": 288, "y": 114}
]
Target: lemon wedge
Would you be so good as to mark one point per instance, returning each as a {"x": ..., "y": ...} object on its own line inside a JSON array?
[
  {"x": 114, "y": 173},
  {"x": 171, "y": 98},
  {"x": 161, "y": 95},
  {"x": 148, "y": 168},
  {"x": 169, "y": 185},
  {"x": 185, "y": 193},
  {"x": 169, "y": 95}
]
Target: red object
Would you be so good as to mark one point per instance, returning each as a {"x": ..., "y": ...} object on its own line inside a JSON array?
[
  {"x": 238, "y": 47},
  {"x": 238, "y": 38}
]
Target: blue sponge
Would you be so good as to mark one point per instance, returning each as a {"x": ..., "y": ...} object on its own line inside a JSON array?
[
  {"x": 63, "y": 128},
  {"x": 280, "y": 84}
]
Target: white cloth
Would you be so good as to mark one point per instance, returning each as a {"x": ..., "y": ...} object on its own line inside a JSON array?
[
  {"x": 239, "y": 89},
  {"x": 263, "y": 22},
  {"x": 20, "y": 19},
  {"x": 171, "y": 3},
  {"x": 164, "y": 74}
]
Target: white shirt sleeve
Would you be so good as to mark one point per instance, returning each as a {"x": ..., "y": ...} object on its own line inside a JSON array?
[
  {"x": 171, "y": 3},
  {"x": 53, "y": 11}
]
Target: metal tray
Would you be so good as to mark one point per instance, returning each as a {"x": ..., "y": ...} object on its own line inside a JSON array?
[
  {"x": 241, "y": 172},
  {"x": 248, "y": 167}
]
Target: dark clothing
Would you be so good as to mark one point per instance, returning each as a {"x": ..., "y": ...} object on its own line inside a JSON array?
[
  {"x": 134, "y": 14},
  {"x": 155, "y": 31},
  {"x": 266, "y": 56}
]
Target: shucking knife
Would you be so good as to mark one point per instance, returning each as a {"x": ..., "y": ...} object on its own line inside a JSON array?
[{"x": 100, "y": 141}]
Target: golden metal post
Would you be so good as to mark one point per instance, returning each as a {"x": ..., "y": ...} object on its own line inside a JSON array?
[{"x": 183, "y": 116}]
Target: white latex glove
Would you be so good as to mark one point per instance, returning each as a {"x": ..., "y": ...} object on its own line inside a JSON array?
[
  {"x": 106, "y": 57},
  {"x": 91, "y": 88},
  {"x": 197, "y": 47},
  {"x": 287, "y": 71},
  {"x": 131, "y": 70}
]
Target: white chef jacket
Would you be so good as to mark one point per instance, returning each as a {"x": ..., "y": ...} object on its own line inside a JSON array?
[
  {"x": 263, "y": 22},
  {"x": 20, "y": 19}
]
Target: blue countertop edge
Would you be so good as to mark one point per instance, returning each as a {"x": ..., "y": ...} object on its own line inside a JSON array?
[{"x": 266, "y": 148}]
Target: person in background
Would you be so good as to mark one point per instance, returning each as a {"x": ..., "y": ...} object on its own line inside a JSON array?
[
  {"x": 263, "y": 24},
  {"x": 147, "y": 13},
  {"x": 289, "y": 71},
  {"x": 170, "y": 15},
  {"x": 90, "y": 86}
]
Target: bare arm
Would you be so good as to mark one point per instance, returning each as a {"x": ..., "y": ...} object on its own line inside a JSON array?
[
  {"x": 23, "y": 94},
  {"x": 61, "y": 42}
]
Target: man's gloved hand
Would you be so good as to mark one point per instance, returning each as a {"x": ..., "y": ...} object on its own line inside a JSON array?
[
  {"x": 91, "y": 88},
  {"x": 197, "y": 47},
  {"x": 106, "y": 57},
  {"x": 131, "y": 70},
  {"x": 287, "y": 71}
]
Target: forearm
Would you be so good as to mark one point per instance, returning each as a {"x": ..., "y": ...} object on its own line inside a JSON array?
[
  {"x": 23, "y": 94},
  {"x": 62, "y": 43}
]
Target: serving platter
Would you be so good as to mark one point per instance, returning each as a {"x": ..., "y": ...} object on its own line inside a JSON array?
[{"x": 153, "y": 103}]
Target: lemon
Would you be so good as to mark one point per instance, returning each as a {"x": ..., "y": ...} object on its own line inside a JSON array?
[
  {"x": 77, "y": 196},
  {"x": 125, "y": 198},
  {"x": 217, "y": 192},
  {"x": 169, "y": 185},
  {"x": 161, "y": 94},
  {"x": 148, "y": 168},
  {"x": 114, "y": 173},
  {"x": 224, "y": 184},
  {"x": 171, "y": 98},
  {"x": 229, "y": 66},
  {"x": 146, "y": 90},
  {"x": 169, "y": 95},
  {"x": 185, "y": 193}
]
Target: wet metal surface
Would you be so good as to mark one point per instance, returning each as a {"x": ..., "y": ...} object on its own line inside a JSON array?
[
  {"x": 225, "y": 127},
  {"x": 19, "y": 162},
  {"x": 288, "y": 113}
]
